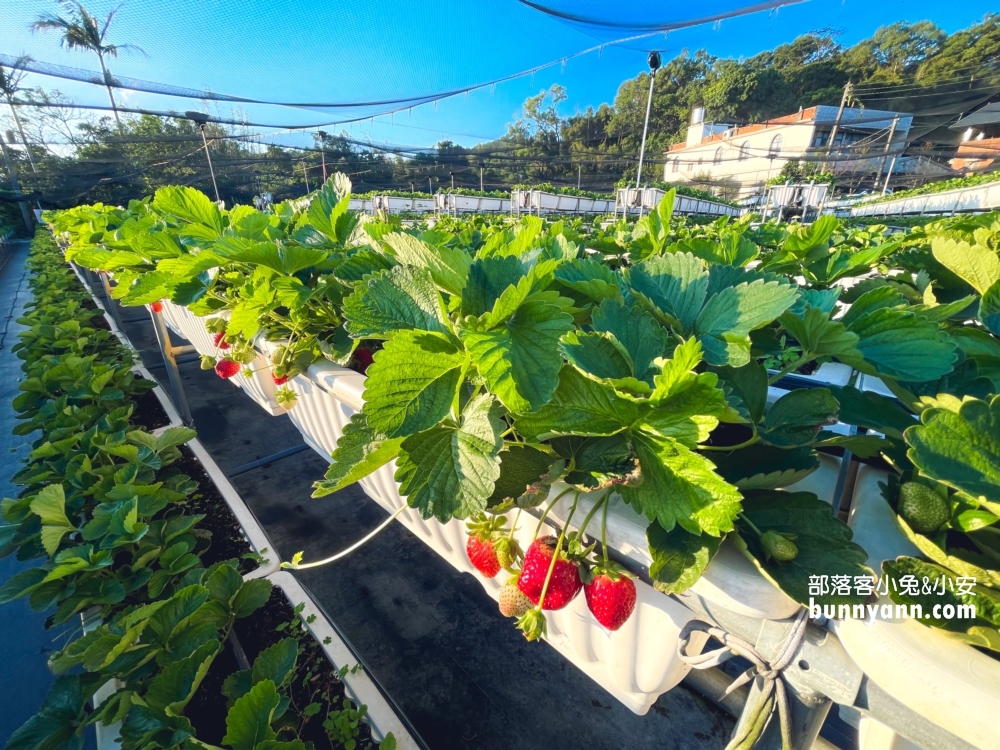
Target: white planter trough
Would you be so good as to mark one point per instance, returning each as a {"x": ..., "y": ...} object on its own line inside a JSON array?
[
  {"x": 397, "y": 205},
  {"x": 828, "y": 373},
  {"x": 637, "y": 663},
  {"x": 359, "y": 686},
  {"x": 251, "y": 529},
  {"x": 259, "y": 385},
  {"x": 575, "y": 204},
  {"x": 479, "y": 204},
  {"x": 948, "y": 682}
]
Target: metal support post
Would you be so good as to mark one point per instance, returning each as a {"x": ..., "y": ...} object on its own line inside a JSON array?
[
  {"x": 169, "y": 352},
  {"x": 654, "y": 65},
  {"x": 112, "y": 308}
]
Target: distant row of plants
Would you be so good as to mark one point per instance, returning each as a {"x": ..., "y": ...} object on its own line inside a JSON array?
[
  {"x": 956, "y": 183},
  {"x": 547, "y": 187},
  {"x": 679, "y": 189},
  {"x": 120, "y": 533},
  {"x": 630, "y": 362}
]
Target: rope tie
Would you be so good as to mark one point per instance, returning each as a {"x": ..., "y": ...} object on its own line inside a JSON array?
[{"x": 773, "y": 690}]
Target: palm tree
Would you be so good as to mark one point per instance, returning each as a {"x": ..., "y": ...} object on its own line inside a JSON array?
[
  {"x": 10, "y": 84},
  {"x": 81, "y": 30}
]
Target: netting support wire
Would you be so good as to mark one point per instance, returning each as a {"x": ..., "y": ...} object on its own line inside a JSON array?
[{"x": 769, "y": 691}]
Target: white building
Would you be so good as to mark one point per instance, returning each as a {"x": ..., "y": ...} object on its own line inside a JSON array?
[{"x": 743, "y": 158}]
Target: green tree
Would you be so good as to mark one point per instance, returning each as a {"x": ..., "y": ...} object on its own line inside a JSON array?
[{"x": 80, "y": 29}]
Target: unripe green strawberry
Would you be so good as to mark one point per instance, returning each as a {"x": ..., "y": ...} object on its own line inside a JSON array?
[
  {"x": 512, "y": 602},
  {"x": 507, "y": 552},
  {"x": 779, "y": 546},
  {"x": 922, "y": 508}
]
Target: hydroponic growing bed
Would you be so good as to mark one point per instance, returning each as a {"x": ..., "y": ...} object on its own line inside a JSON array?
[{"x": 593, "y": 433}]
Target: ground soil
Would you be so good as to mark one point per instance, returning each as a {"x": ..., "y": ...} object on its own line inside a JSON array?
[{"x": 228, "y": 542}]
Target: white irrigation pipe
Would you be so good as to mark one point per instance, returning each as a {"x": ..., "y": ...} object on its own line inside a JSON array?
[{"x": 344, "y": 553}]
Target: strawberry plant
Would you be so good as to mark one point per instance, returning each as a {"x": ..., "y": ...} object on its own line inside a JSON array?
[
  {"x": 104, "y": 508},
  {"x": 503, "y": 359}
]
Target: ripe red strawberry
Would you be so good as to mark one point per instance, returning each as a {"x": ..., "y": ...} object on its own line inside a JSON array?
[
  {"x": 483, "y": 556},
  {"x": 219, "y": 339},
  {"x": 512, "y": 602},
  {"x": 362, "y": 359},
  {"x": 565, "y": 583},
  {"x": 611, "y": 598},
  {"x": 226, "y": 368},
  {"x": 279, "y": 381},
  {"x": 156, "y": 307}
]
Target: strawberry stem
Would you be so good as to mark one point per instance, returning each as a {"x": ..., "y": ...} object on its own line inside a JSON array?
[
  {"x": 604, "y": 531},
  {"x": 555, "y": 553},
  {"x": 598, "y": 504},
  {"x": 551, "y": 504},
  {"x": 752, "y": 525}
]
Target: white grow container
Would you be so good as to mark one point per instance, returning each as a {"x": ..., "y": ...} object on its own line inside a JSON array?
[
  {"x": 259, "y": 386},
  {"x": 948, "y": 682},
  {"x": 397, "y": 205},
  {"x": 635, "y": 664},
  {"x": 480, "y": 204},
  {"x": 555, "y": 202},
  {"x": 358, "y": 685}
]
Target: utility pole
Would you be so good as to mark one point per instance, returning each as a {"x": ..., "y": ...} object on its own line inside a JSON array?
[
  {"x": 16, "y": 186},
  {"x": 306, "y": 175},
  {"x": 654, "y": 65},
  {"x": 579, "y": 175},
  {"x": 322, "y": 151},
  {"x": 840, "y": 113},
  {"x": 201, "y": 118},
  {"x": 430, "y": 189},
  {"x": 452, "y": 180},
  {"x": 481, "y": 180},
  {"x": 888, "y": 147}
]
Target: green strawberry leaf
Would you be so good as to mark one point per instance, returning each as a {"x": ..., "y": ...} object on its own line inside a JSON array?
[
  {"x": 50, "y": 506},
  {"x": 521, "y": 465},
  {"x": 399, "y": 299},
  {"x": 360, "y": 450},
  {"x": 819, "y": 335},
  {"x": 581, "y": 406},
  {"x": 248, "y": 723},
  {"x": 596, "y": 354},
  {"x": 746, "y": 389},
  {"x": 447, "y": 266},
  {"x": 174, "y": 687},
  {"x": 679, "y": 557},
  {"x": 872, "y": 411},
  {"x": 412, "y": 383},
  {"x": 944, "y": 590},
  {"x": 190, "y": 205},
  {"x": 516, "y": 346},
  {"x": 276, "y": 663},
  {"x": 899, "y": 344},
  {"x": 680, "y": 486},
  {"x": 978, "y": 266},
  {"x": 960, "y": 446},
  {"x": 824, "y": 543},
  {"x": 590, "y": 278},
  {"x": 488, "y": 279},
  {"x": 724, "y": 324},
  {"x": 642, "y": 338},
  {"x": 765, "y": 467},
  {"x": 797, "y": 417},
  {"x": 595, "y": 460},
  {"x": 450, "y": 470},
  {"x": 673, "y": 286}
]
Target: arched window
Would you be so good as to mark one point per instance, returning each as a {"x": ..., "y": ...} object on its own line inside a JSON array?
[
  {"x": 718, "y": 156},
  {"x": 745, "y": 151},
  {"x": 676, "y": 166},
  {"x": 776, "y": 144}
]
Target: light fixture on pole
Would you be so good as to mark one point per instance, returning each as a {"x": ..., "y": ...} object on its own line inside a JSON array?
[
  {"x": 654, "y": 65},
  {"x": 201, "y": 118}
]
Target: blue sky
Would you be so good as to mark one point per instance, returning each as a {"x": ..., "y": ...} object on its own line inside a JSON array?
[{"x": 318, "y": 50}]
